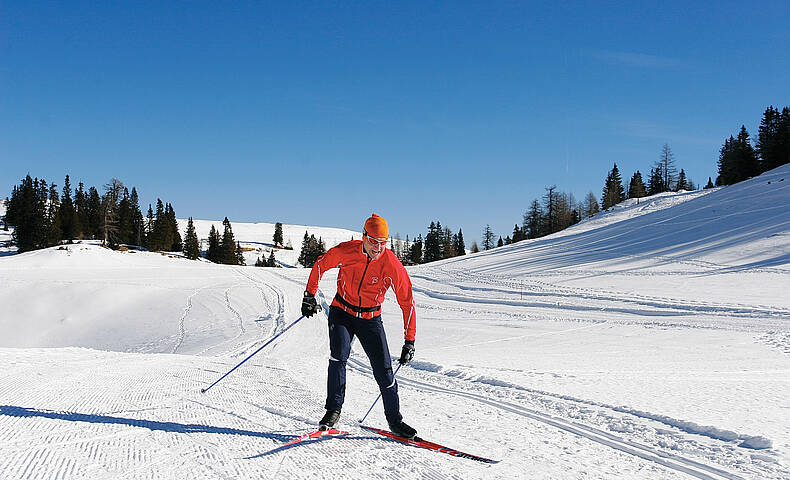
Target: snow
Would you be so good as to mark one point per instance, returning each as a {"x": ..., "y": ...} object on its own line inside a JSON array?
[{"x": 651, "y": 341}]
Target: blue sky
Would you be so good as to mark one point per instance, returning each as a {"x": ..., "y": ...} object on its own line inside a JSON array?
[{"x": 322, "y": 112}]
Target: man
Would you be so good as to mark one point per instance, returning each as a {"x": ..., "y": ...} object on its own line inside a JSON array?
[{"x": 367, "y": 270}]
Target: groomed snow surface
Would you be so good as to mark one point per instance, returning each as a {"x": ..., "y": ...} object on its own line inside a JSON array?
[{"x": 652, "y": 341}]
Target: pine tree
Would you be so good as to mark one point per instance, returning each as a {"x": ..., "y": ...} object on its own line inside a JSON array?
[
  {"x": 272, "y": 262},
  {"x": 228, "y": 245},
  {"x": 415, "y": 255},
  {"x": 518, "y": 234},
  {"x": 432, "y": 248},
  {"x": 125, "y": 234},
  {"x": 448, "y": 244},
  {"x": 138, "y": 224},
  {"x": 460, "y": 246},
  {"x": 175, "y": 235},
  {"x": 783, "y": 142},
  {"x": 168, "y": 231},
  {"x": 773, "y": 138},
  {"x": 278, "y": 234},
  {"x": 305, "y": 251},
  {"x": 311, "y": 250},
  {"x": 636, "y": 188},
  {"x": 500, "y": 242},
  {"x": 488, "y": 238},
  {"x": 95, "y": 217},
  {"x": 159, "y": 229},
  {"x": 737, "y": 159},
  {"x": 214, "y": 253},
  {"x": 54, "y": 232},
  {"x": 726, "y": 163},
  {"x": 475, "y": 248},
  {"x": 747, "y": 157},
  {"x": 191, "y": 242},
  {"x": 709, "y": 184},
  {"x": 655, "y": 183},
  {"x": 68, "y": 217},
  {"x": 12, "y": 204},
  {"x": 682, "y": 184},
  {"x": 261, "y": 261},
  {"x": 26, "y": 213},
  {"x": 613, "y": 191},
  {"x": 149, "y": 230},
  {"x": 81, "y": 212},
  {"x": 533, "y": 220}
]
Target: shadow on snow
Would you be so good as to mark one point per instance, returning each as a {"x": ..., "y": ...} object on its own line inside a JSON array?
[{"x": 173, "y": 427}]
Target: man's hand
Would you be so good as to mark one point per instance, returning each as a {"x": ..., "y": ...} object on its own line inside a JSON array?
[
  {"x": 407, "y": 353},
  {"x": 309, "y": 305}
]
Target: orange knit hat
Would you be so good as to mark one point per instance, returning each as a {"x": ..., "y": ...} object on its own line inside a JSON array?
[{"x": 376, "y": 227}]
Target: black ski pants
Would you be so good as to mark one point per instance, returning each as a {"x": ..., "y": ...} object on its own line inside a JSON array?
[{"x": 342, "y": 329}]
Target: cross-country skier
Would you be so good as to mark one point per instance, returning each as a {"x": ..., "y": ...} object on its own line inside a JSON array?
[{"x": 367, "y": 270}]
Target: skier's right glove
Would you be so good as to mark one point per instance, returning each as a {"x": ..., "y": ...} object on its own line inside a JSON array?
[
  {"x": 407, "y": 353},
  {"x": 309, "y": 305}
]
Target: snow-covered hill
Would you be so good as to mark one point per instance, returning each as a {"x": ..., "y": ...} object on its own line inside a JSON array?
[
  {"x": 652, "y": 341},
  {"x": 259, "y": 236}
]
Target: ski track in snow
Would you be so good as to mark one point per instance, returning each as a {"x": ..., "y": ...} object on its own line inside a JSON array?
[
  {"x": 181, "y": 327},
  {"x": 532, "y": 288},
  {"x": 666, "y": 459}
]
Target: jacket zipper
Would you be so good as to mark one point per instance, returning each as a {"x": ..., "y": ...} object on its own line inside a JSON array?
[{"x": 361, "y": 281}]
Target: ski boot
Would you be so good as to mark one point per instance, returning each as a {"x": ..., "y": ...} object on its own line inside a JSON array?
[
  {"x": 329, "y": 420},
  {"x": 402, "y": 430}
]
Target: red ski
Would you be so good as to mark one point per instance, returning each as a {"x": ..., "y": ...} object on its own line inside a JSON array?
[
  {"x": 317, "y": 434},
  {"x": 419, "y": 442}
]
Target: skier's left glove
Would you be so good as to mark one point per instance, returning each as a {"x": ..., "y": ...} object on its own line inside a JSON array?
[{"x": 407, "y": 353}]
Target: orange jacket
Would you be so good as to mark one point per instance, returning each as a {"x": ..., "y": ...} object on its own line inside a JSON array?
[{"x": 363, "y": 282}]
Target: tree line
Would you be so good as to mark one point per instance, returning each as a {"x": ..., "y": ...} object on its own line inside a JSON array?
[
  {"x": 558, "y": 210},
  {"x": 45, "y": 217},
  {"x": 439, "y": 243},
  {"x": 740, "y": 160}
]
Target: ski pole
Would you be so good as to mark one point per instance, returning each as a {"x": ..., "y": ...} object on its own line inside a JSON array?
[
  {"x": 377, "y": 398},
  {"x": 204, "y": 390}
]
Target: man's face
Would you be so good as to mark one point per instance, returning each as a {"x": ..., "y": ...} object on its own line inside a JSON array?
[{"x": 374, "y": 246}]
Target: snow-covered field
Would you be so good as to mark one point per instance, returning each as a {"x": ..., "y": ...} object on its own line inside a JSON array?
[{"x": 652, "y": 341}]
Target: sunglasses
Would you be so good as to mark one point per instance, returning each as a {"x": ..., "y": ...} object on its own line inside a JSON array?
[{"x": 376, "y": 241}]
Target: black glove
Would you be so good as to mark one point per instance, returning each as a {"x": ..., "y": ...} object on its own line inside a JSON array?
[
  {"x": 309, "y": 305},
  {"x": 407, "y": 353}
]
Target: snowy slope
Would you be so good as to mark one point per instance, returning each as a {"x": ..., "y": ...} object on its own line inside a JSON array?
[
  {"x": 259, "y": 237},
  {"x": 652, "y": 341}
]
